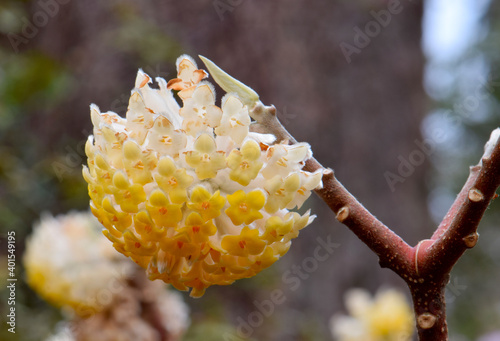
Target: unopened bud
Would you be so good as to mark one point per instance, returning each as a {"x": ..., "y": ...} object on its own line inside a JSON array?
[
  {"x": 426, "y": 320},
  {"x": 471, "y": 240},
  {"x": 343, "y": 213},
  {"x": 476, "y": 195}
]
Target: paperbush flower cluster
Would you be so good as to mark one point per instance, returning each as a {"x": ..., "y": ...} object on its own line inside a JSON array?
[
  {"x": 188, "y": 191},
  {"x": 71, "y": 265}
]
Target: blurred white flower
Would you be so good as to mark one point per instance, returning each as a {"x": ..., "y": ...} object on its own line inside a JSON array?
[
  {"x": 386, "y": 317},
  {"x": 124, "y": 320},
  {"x": 63, "y": 333},
  {"x": 71, "y": 265}
]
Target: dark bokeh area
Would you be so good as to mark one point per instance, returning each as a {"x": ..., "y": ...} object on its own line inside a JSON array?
[{"x": 360, "y": 110}]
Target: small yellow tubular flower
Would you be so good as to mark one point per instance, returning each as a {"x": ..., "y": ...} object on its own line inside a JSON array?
[
  {"x": 282, "y": 159},
  {"x": 130, "y": 198},
  {"x": 165, "y": 139},
  {"x": 277, "y": 228},
  {"x": 137, "y": 162},
  {"x": 188, "y": 192},
  {"x": 134, "y": 245},
  {"x": 387, "y": 316},
  {"x": 235, "y": 119},
  {"x": 247, "y": 243},
  {"x": 281, "y": 192},
  {"x": 146, "y": 227},
  {"x": 308, "y": 182},
  {"x": 299, "y": 222},
  {"x": 199, "y": 111},
  {"x": 139, "y": 117},
  {"x": 172, "y": 180},
  {"x": 245, "y": 208},
  {"x": 181, "y": 246},
  {"x": 198, "y": 228},
  {"x": 207, "y": 205},
  {"x": 205, "y": 159},
  {"x": 163, "y": 213},
  {"x": 244, "y": 163}
]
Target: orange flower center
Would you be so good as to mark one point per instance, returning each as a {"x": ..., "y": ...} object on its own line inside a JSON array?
[{"x": 243, "y": 206}]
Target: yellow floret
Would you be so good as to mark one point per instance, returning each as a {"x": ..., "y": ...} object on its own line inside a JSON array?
[
  {"x": 206, "y": 204},
  {"x": 244, "y": 163},
  {"x": 247, "y": 243},
  {"x": 204, "y": 158},
  {"x": 245, "y": 207}
]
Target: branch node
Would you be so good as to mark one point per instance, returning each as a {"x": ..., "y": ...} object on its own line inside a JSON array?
[
  {"x": 471, "y": 240},
  {"x": 271, "y": 109},
  {"x": 426, "y": 320},
  {"x": 342, "y": 214},
  {"x": 328, "y": 172},
  {"x": 475, "y": 195},
  {"x": 328, "y": 175},
  {"x": 426, "y": 243}
]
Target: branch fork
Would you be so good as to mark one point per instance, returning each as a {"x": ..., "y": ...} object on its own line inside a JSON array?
[{"x": 426, "y": 267}]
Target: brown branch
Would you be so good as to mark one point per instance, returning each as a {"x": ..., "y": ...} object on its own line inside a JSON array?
[
  {"x": 392, "y": 251},
  {"x": 456, "y": 233},
  {"x": 458, "y": 230},
  {"x": 425, "y": 267}
]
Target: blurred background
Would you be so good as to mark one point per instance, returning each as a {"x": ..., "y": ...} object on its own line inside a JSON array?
[{"x": 398, "y": 97}]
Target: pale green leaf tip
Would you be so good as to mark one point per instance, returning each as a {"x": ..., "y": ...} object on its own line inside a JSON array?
[{"x": 230, "y": 84}]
